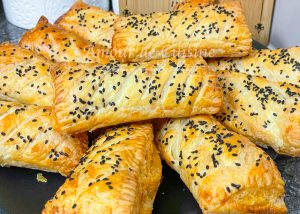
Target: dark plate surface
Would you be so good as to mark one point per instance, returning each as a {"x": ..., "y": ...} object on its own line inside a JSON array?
[{"x": 20, "y": 193}]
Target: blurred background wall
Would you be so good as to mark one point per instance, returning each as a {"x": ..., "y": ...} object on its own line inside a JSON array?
[{"x": 285, "y": 29}]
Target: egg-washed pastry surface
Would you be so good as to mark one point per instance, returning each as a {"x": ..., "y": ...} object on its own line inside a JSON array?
[
  {"x": 214, "y": 30},
  {"x": 89, "y": 22},
  {"x": 120, "y": 173},
  {"x": 266, "y": 112},
  {"x": 188, "y": 4},
  {"x": 225, "y": 172},
  {"x": 95, "y": 96},
  {"x": 25, "y": 76},
  {"x": 57, "y": 44},
  {"x": 281, "y": 65},
  {"x": 29, "y": 138}
]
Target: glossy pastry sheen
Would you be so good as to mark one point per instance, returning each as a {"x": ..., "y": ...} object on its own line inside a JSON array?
[
  {"x": 29, "y": 138},
  {"x": 89, "y": 22},
  {"x": 57, "y": 44},
  {"x": 266, "y": 112},
  {"x": 119, "y": 174},
  {"x": 189, "y": 4},
  {"x": 225, "y": 172},
  {"x": 94, "y": 96},
  {"x": 25, "y": 76},
  {"x": 215, "y": 30},
  {"x": 281, "y": 65}
]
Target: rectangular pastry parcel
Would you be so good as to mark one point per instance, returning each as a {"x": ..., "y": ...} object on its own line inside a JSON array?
[
  {"x": 30, "y": 138},
  {"x": 89, "y": 22},
  {"x": 24, "y": 76},
  {"x": 120, "y": 173},
  {"x": 225, "y": 172},
  {"x": 90, "y": 96},
  {"x": 266, "y": 112},
  {"x": 280, "y": 65},
  {"x": 59, "y": 45},
  {"x": 208, "y": 30}
]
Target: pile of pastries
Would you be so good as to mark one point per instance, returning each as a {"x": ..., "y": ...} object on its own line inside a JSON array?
[{"x": 183, "y": 86}]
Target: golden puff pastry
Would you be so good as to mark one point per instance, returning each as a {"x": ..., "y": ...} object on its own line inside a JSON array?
[
  {"x": 281, "y": 65},
  {"x": 29, "y": 138},
  {"x": 188, "y": 4},
  {"x": 57, "y": 44},
  {"x": 94, "y": 96},
  {"x": 215, "y": 30},
  {"x": 225, "y": 172},
  {"x": 89, "y": 22},
  {"x": 25, "y": 76},
  {"x": 266, "y": 112},
  {"x": 119, "y": 174}
]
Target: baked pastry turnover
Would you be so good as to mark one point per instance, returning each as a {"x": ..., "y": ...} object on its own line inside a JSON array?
[
  {"x": 281, "y": 65},
  {"x": 266, "y": 112},
  {"x": 57, "y": 44},
  {"x": 25, "y": 76},
  {"x": 214, "y": 30},
  {"x": 89, "y": 22},
  {"x": 29, "y": 138},
  {"x": 120, "y": 173},
  {"x": 225, "y": 172},
  {"x": 94, "y": 96}
]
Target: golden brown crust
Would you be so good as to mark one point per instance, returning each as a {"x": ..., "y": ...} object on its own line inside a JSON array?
[
  {"x": 266, "y": 112},
  {"x": 89, "y": 22},
  {"x": 94, "y": 96},
  {"x": 59, "y": 45},
  {"x": 120, "y": 173},
  {"x": 225, "y": 171},
  {"x": 25, "y": 76},
  {"x": 281, "y": 65},
  {"x": 215, "y": 30},
  {"x": 188, "y": 4},
  {"x": 29, "y": 138}
]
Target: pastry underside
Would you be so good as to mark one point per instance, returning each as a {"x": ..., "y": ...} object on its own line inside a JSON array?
[
  {"x": 95, "y": 96},
  {"x": 266, "y": 112},
  {"x": 280, "y": 65},
  {"x": 59, "y": 45},
  {"x": 30, "y": 139},
  {"x": 89, "y": 22},
  {"x": 120, "y": 173},
  {"x": 208, "y": 30},
  {"x": 225, "y": 172},
  {"x": 25, "y": 76}
]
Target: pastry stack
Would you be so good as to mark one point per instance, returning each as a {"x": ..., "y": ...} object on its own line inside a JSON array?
[{"x": 183, "y": 86}]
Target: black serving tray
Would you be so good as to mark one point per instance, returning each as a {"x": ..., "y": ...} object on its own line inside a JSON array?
[{"x": 21, "y": 193}]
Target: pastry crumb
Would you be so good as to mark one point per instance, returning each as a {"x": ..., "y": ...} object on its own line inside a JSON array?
[{"x": 41, "y": 178}]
